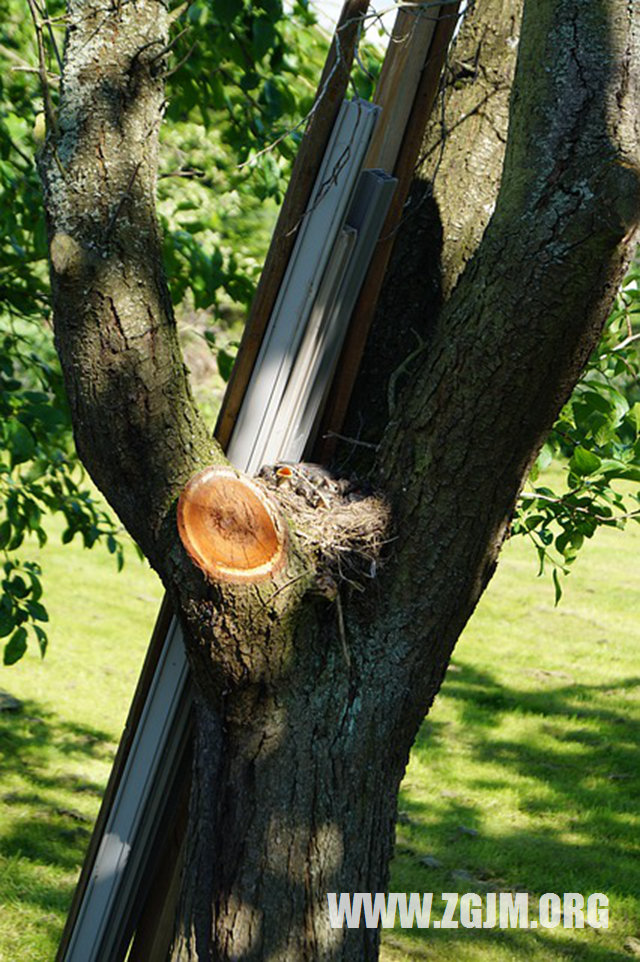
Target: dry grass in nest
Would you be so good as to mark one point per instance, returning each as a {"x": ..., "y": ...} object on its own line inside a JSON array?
[{"x": 347, "y": 533}]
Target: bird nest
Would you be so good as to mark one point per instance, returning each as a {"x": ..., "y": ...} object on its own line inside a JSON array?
[{"x": 345, "y": 526}]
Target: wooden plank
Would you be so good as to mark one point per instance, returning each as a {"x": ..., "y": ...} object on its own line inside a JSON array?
[
  {"x": 331, "y": 92},
  {"x": 404, "y": 169},
  {"x": 398, "y": 82}
]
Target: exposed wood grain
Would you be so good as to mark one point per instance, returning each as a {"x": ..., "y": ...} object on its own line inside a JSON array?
[{"x": 228, "y": 527}]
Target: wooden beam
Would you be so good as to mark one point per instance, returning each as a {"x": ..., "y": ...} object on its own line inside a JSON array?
[
  {"x": 398, "y": 82},
  {"x": 408, "y": 142}
]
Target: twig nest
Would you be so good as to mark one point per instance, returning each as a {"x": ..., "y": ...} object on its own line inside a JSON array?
[
  {"x": 344, "y": 523},
  {"x": 230, "y": 528}
]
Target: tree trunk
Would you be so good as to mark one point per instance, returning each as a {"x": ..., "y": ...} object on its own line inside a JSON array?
[
  {"x": 310, "y": 690},
  {"x": 301, "y": 802}
]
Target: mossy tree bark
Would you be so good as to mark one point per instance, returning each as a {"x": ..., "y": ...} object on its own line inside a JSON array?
[{"x": 305, "y": 718}]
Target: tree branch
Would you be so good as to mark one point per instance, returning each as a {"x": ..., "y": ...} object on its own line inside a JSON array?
[
  {"x": 115, "y": 329},
  {"x": 513, "y": 338}
]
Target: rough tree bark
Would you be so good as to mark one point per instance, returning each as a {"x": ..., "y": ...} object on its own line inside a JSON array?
[{"x": 303, "y": 730}]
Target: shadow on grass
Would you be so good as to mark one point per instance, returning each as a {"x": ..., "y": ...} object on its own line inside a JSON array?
[
  {"x": 566, "y": 764},
  {"x": 44, "y": 825}
]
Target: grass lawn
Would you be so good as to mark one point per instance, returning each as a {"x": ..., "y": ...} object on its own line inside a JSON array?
[
  {"x": 56, "y": 752},
  {"x": 526, "y": 774},
  {"x": 524, "y": 777}
]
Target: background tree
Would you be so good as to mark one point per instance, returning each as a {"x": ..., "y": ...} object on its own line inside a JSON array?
[{"x": 300, "y": 746}]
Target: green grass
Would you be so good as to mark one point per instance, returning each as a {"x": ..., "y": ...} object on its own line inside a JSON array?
[
  {"x": 56, "y": 753},
  {"x": 532, "y": 743}
]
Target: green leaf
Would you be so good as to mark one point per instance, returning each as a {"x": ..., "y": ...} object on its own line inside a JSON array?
[
  {"x": 545, "y": 457},
  {"x": 533, "y": 521},
  {"x": 264, "y": 35},
  {"x": 32, "y": 514},
  {"x": 228, "y": 10},
  {"x": 37, "y": 611},
  {"x": 20, "y": 442},
  {"x": 273, "y": 8},
  {"x": 19, "y": 587},
  {"x": 225, "y": 363},
  {"x": 15, "y": 647},
  {"x": 7, "y": 621},
  {"x": 584, "y": 462},
  {"x": 42, "y": 638},
  {"x": 557, "y": 586},
  {"x": 631, "y": 474},
  {"x": 5, "y": 534}
]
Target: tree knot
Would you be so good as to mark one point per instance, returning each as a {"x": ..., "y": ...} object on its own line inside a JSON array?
[{"x": 67, "y": 256}]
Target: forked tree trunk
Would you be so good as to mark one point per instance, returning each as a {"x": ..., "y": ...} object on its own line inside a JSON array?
[{"x": 310, "y": 692}]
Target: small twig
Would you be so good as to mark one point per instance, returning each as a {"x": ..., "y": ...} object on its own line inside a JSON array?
[
  {"x": 46, "y": 92},
  {"x": 52, "y": 77},
  {"x": 399, "y": 371},
  {"x": 303, "y": 120},
  {"x": 287, "y": 584},
  {"x": 578, "y": 508},
  {"x": 341, "y": 631},
  {"x": 182, "y": 62},
  {"x": 124, "y": 196},
  {"x": 28, "y": 160},
  {"x": 44, "y": 15},
  {"x": 619, "y": 347},
  {"x": 343, "y": 437},
  {"x": 325, "y": 187},
  {"x": 183, "y": 172},
  {"x": 168, "y": 47},
  {"x": 358, "y": 58},
  {"x": 12, "y": 55}
]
